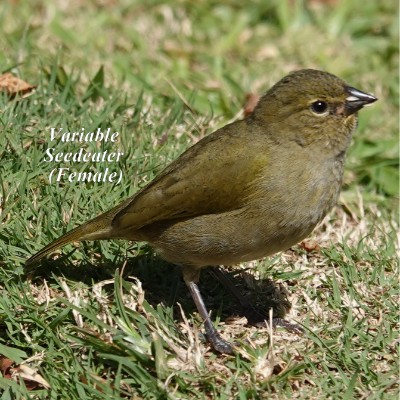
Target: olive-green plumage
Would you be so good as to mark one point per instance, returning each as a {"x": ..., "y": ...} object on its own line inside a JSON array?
[{"x": 252, "y": 188}]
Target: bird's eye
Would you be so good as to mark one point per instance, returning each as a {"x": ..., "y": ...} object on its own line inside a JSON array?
[{"x": 319, "y": 107}]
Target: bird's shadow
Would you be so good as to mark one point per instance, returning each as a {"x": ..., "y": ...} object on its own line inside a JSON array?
[{"x": 163, "y": 284}]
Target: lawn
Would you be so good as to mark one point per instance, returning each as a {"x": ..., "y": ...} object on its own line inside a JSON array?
[{"x": 111, "y": 320}]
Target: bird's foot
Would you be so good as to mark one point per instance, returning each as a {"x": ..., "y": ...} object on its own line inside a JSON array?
[{"x": 217, "y": 342}]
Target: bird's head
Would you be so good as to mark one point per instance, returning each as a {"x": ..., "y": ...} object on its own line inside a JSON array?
[{"x": 311, "y": 105}]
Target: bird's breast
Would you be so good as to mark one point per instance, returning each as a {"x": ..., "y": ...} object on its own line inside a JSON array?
[{"x": 295, "y": 197}]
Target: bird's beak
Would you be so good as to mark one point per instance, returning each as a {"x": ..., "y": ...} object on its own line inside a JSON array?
[{"x": 357, "y": 99}]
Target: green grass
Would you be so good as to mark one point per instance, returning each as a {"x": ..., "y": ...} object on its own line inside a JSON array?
[{"x": 104, "y": 322}]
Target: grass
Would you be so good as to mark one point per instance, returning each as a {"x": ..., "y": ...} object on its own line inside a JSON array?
[{"x": 114, "y": 321}]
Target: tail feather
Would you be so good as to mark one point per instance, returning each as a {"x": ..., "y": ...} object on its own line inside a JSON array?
[
  {"x": 97, "y": 228},
  {"x": 92, "y": 230},
  {"x": 61, "y": 241}
]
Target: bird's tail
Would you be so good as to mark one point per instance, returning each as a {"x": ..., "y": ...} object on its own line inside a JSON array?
[
  {"x": 87, "y": 231},
  {"x": 98, "y": 228},
  {"x": 69, "y": 237}
]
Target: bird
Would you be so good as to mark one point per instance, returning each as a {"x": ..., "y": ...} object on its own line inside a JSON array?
[{"x": 252, "y": 188}]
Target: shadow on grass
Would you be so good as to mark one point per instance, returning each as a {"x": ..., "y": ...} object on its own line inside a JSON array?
[{"x": 162, "y": 283}]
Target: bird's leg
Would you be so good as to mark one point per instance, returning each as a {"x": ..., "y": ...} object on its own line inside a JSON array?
[
  {"x": 191, "y": 277},
  {"x": 256, "y": 317}
]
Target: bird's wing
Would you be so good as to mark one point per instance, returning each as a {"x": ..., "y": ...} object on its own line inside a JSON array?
[{"x": 210, "y": 177}]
